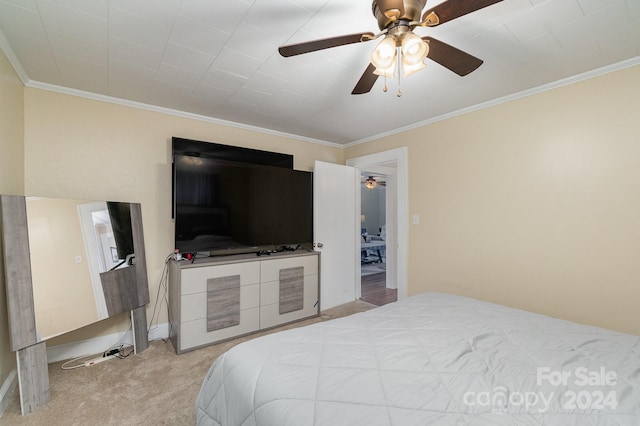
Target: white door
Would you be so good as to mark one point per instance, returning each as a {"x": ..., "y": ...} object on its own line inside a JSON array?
[{"x": 335, "y": 231}]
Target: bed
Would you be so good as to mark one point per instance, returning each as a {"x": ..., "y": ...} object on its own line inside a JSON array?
[{"x": 431, "y": 359}]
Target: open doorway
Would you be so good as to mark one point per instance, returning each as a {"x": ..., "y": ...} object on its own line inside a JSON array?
[
  {"x": 373, "y": 245},
  {"x": 392, "y": 166}
]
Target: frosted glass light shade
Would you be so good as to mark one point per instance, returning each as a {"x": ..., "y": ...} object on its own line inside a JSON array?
[
  {"x": 410, "y": 69},
  {"x": 384, "y": 55},
  {"x": 414, "y": 49},
  {"x": 388, "y": 72}
]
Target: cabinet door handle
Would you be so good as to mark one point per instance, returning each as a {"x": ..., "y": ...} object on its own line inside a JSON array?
[{"x": 319, "y": 245}]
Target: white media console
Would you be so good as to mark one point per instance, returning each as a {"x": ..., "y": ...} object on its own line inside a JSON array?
[{"x": 219, "y": 298}]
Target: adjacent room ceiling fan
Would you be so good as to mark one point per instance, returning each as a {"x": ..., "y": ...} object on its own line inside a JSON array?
[
  {"x": 372, "y": 181},
  {"x": 400, "y": 45}
]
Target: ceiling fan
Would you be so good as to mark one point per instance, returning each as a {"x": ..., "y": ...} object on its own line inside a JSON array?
[
  {"x": 401, "y": 46},
  {"x": 373, "y": 181}
]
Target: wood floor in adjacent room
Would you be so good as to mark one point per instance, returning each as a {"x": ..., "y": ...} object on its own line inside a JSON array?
[{"x": 375, "y": 291}]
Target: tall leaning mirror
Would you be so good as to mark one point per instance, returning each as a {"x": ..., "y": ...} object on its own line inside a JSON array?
[
  {"x": 68, "y": 264},
  {"x": 73, "y": 245}
]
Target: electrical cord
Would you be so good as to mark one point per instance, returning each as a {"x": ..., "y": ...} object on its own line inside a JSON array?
[
  {"x": 121, "y": 340},
  {"x": 121, "y": 353},
  {"x": 65, "y": 365},
  {"x": 118, "y": 353},
  {"x": 164, "y": 278},
  {"x": 120, "y": 344}
]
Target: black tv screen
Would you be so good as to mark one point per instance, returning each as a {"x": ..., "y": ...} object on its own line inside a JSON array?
[{"x": 222, "y": 205}]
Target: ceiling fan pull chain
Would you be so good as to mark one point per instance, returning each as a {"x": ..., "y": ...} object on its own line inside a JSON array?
[{"x": 399, "y": 92}]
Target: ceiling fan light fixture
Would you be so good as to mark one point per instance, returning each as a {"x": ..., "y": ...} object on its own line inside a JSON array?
[
  {"x": 414, "y": 49},
  {"x": 410, "y": 69},
  {"x": 370, "y": 183},
  {"x": 384, "y": 55},
  {"x": 388, "y": 72}
]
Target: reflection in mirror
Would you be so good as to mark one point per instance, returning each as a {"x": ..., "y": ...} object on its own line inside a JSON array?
[{"x": 71, "y": 243}]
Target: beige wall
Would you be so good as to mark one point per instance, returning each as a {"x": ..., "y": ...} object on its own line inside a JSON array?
[
  {"x": 86, "y": 149},
  {"x": 11, "y": 180},
  {"x": 532, "y": 203},
  {"x": 55, "y": 239},
  {"x": 11, "y": 130}
]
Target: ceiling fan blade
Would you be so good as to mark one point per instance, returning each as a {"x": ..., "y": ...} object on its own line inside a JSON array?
[
  {"x": 452, "y": 9},
  {"x": 325, "y": 43},
  {"x": 452, "y": 58},
  {"x": 366, "y": 82}
]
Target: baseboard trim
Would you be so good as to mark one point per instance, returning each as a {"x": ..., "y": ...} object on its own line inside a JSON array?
[
  {"x": 7, "y": 390},
  {"x": 100, "y": 344}
]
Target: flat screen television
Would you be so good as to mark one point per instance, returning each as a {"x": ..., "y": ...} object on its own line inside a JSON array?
[
  {"x": 120, "y": 217},
  {"x": 227, "y": 205}
]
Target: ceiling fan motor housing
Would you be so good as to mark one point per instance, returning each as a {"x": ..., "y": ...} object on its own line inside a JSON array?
[{"x": 386, "y": 17}]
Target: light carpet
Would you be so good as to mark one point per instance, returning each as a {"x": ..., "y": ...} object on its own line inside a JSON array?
[{"x": 155, "y": 387}]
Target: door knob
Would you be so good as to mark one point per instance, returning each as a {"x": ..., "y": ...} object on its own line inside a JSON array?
[{"x": 319, "y": 245}]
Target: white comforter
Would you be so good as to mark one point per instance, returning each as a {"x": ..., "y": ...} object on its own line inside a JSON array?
[{"x": 432, "y": 359}]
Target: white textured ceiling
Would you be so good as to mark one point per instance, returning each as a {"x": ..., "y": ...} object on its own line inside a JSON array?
[{"x": 219, "y": 59}]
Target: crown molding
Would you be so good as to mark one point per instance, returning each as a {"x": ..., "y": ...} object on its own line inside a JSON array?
[
  {"x": 13, "y": 59},
  {"x": 169, "y": 111},
  {"x": 523, "y": 94},
  {"x": 22, "y": 74}
]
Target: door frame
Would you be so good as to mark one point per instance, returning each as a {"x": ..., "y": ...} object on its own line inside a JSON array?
[
  {"x": 389, "y": 174},
  {"x": 398, "y": 191}
]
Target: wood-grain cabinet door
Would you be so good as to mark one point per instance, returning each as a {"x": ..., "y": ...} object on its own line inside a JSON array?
[
  {"x": 282, "y": 300},
  {"x": 196, "y": 313}
]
